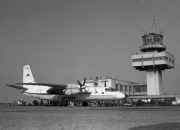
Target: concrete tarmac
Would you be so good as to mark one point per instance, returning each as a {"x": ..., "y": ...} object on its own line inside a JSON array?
[{"x": 89, "y": 118}]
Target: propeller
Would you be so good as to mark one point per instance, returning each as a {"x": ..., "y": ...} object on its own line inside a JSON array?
[{"x": 82, "y": 86}]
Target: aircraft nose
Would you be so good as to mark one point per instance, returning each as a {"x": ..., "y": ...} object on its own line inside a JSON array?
[{"x": 120, "y": 95}]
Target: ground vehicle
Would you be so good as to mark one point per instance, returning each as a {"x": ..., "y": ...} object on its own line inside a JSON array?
[{"x": 128, "y": 103}]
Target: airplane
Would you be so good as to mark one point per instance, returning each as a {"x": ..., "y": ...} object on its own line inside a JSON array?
[{"x": 64, "y": 92}]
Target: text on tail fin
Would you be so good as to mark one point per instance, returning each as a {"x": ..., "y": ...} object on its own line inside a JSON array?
[{"x": 27, "y": 74}]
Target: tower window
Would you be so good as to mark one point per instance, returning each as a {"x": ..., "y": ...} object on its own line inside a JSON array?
[
  {"x": 155, "y": 39},
  {"x": 147, "y": 39},
  {"x": 144, "y": 41},
  {"x": 151, "y": 38},
  {"x": 159, "y": 39}
]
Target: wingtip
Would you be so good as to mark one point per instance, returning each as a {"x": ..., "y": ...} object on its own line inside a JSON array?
[{"x": 8, "y": 84}]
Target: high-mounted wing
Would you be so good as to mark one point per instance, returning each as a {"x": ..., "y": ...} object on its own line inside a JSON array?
[
  {"x": 54, "y": 88},
  {"x": 62, "y": 86}
]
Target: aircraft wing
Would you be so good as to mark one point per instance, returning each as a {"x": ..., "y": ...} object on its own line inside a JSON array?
[
  {"x": 54, "y": 88},
  {"x": 17, "y": 87},
  {"x": 52, "y": 85}
]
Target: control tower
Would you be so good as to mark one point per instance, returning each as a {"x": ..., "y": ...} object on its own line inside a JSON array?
[{"x": 153, "y": 59}]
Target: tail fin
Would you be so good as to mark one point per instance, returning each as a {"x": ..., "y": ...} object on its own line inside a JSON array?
[{"x": 27, "y": 74}]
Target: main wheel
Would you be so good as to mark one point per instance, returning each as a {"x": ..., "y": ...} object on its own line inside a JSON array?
[{"x": 85, "y": 104}]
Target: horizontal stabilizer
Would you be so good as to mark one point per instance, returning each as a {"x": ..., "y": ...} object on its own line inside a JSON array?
[{"x": 17, "y": 87}]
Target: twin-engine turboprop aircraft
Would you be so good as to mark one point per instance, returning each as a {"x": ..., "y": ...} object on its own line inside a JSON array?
[{"x": 64, "y": 92}]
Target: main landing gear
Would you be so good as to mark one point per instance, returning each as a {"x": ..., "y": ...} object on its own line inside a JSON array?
[{"x": 84, "y": 104}]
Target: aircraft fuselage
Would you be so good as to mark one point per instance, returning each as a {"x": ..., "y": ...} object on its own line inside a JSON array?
[{"x": 104, "y": 96}]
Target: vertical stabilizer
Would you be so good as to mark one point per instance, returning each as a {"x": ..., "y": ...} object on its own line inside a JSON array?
[{"x": 27, "y": 74}]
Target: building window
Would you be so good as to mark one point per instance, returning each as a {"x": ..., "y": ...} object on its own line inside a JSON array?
[
  {"x": 125, "y": 87},
  {"x": 121, "y": 88},
  {"x": 166, "y": 58},
  {"x": 117, "y": 85},
  {"x": 147, "y": 59},
  {"x": 163, "y": 58}
]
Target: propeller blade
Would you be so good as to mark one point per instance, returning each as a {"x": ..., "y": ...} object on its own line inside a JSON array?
[
  {"x": 84, "y": 81},
  {"x": 80, "y": 87},
  {"x": 95, "y": 89},
  {"x": 79, "y": 84},
  {"x": 105, "y": 83}
]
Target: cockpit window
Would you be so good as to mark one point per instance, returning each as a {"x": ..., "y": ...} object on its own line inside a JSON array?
[{"x": 110, "y": 89}]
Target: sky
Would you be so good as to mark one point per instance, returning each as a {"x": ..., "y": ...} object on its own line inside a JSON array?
[{"x": 67, "y": 40}]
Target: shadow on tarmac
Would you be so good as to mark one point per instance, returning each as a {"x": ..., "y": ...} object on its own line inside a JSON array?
[
  {"x": 38, "y": 109},
  {"x": 161, "y": 126}
]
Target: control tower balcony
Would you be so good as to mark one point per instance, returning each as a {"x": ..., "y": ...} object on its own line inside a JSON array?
[
  {"x": 162, "y": 60},
  {"x": 152, "y": 47}
]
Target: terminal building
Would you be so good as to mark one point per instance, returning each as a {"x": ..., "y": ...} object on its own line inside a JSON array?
[{"x": 126, "y": 87}]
